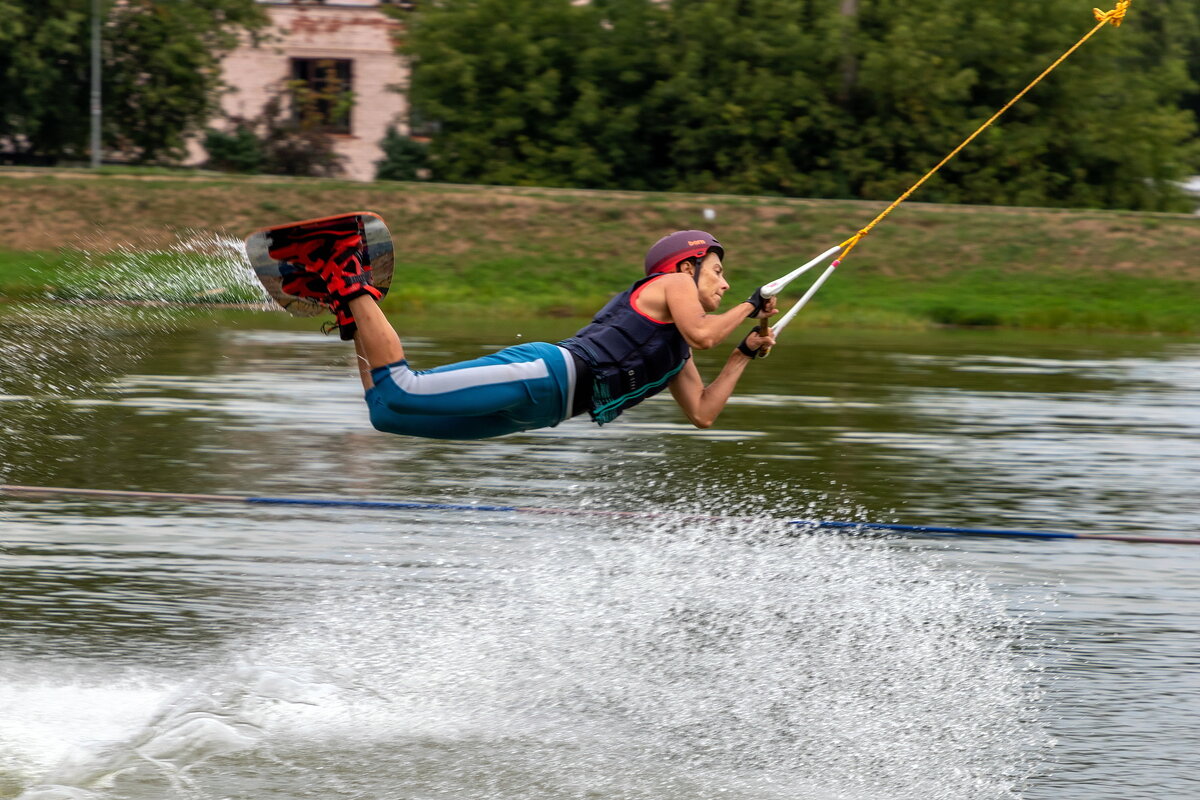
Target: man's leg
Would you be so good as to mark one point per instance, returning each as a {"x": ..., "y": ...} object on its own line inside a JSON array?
[
  {"x": 516, "y": 389},
  {"x": 428, "y": 426},
  {"x": 376, "y": 341}
]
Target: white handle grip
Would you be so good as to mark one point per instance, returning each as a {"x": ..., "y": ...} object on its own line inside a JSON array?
[
  {"x": 776, "y": 286},
  {"x": 794, "y": 310}
]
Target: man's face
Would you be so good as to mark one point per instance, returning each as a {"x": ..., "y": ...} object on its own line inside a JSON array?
[{"x": 712, "y": 284}]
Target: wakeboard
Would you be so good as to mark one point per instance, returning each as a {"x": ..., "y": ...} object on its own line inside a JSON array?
[{"x": 375, "y": 250}]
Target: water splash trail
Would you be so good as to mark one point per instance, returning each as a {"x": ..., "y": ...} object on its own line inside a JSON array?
[
  {"x": 52, "y": 349},
  {"x": 200, "y": 268},
  {"x": 637, "y": 659}
]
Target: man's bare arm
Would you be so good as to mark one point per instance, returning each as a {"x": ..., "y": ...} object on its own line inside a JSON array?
[
  {"x": 703, "y": 404},
  {"x": 701, "y": 329}
]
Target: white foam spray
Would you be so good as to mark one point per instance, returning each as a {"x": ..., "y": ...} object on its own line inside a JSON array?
[
  {"x": 198, "y": 268},
  {"x": 105, "y": 313},
  {"x": 655, "y": 658}
]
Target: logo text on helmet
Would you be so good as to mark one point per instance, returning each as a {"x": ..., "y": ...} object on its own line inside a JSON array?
[{"x": 696, "y": 242}]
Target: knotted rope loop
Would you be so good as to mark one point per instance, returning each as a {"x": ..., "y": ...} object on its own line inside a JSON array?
[
  {"x": 1115, "y": 16},
  {"x": 849, "y": 244}
]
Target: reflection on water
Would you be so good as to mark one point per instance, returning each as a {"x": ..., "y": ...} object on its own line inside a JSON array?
[{"x": 156, "y": 650}]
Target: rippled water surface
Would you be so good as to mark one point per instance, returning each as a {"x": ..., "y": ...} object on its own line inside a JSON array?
[{"x": 182, "y": 649}]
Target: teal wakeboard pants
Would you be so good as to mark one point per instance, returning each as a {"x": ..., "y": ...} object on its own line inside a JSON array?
[{"x": 516, "y": 389}]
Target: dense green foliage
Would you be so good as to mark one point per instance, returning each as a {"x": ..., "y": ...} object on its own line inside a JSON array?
[
  {"x": 160, "y": 72},
  {"x": 236, "y": 150},
  {"x": 854, "y": 98},
  {"x": 404, "y": 159}
]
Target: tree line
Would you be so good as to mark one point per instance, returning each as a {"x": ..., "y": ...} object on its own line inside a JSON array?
[
  {"x": 161, "y": 74},
  {"x": 818, "y": 98}
]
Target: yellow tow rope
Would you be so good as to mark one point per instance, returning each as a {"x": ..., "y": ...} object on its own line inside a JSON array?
[{"x": 1114, "y": 18}]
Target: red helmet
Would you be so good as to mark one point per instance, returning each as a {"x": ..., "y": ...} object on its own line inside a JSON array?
[{"x": 667, "y": 252}]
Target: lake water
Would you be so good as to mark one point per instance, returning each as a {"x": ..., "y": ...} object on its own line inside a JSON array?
[{"x": 167, "y": 649}]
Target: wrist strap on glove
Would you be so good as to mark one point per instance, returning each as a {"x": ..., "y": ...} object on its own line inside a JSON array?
[
  {"x": 745, "y": 350},
  {"x": 758, "y": 301}
]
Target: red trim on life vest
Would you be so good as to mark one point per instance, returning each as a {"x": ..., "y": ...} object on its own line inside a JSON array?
[{"x": 634, "y": 296}]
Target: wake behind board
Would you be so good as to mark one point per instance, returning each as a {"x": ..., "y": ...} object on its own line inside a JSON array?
[{"x": 375, "y": 250}]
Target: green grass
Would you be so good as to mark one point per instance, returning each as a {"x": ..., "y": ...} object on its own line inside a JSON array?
[
  {"x": 29, "y": 273},
  {"x": 517, "y": 252},
  {"x": 1055, "y": 301},
  {"x": 554, "y": 286}
]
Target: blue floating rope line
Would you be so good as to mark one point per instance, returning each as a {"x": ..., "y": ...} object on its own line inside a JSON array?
[
  {"x": 935, "y": 529},
  {"x": 376, "y": 504},
  {"x": 921, "y": 530}
]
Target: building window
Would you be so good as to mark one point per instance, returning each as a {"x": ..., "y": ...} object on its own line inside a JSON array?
[{"x": 323, "y": 92}]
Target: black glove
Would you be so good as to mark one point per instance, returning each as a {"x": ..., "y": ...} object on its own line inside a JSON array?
[
  {"x": 745, "y": 350},
  {"x": 758, "y": 301}
]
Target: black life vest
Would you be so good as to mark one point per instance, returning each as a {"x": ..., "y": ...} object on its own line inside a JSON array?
[{"x": 631, "y": 357}]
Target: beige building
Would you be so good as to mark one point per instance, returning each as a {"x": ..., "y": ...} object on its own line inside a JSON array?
[{"x": 335, "y": 46}]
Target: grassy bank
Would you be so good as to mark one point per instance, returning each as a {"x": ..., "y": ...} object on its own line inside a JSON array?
[{"x": 539, "y": 251}]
